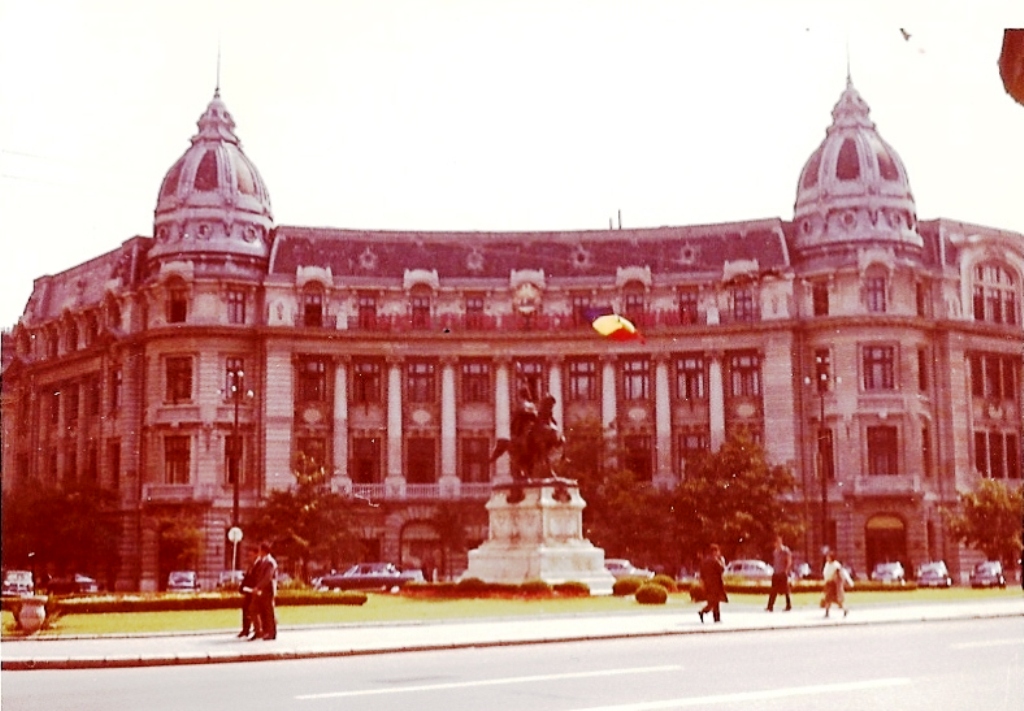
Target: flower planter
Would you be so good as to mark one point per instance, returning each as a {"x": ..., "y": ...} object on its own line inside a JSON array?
[{"x": 32, "y": 613}]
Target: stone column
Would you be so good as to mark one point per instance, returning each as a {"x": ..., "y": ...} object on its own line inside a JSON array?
[
  {"x": 341, "y": 478},
  {"x": 716, "y": 400},
  {"x": 394, "y": 483},
  {"x": 502, "y": 416},
  {"x": 662, "y": 422},
  {"x": 608, "y": 399},
  {"x": 555, "y": 388},
  {"x": 449, "y": 478},
  {"x": 279, "y": 415}
]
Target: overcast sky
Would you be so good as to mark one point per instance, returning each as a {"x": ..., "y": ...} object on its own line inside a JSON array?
[{"x": 487, "y": 114}]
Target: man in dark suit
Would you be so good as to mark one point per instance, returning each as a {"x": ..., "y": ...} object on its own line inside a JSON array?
[
  {"x": 264, "y": 587},
  {"x": 250, "y": 618}
]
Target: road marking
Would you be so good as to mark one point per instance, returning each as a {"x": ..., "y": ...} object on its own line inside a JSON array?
[
  {"x": 491, "y": 682},
  {"x": 987, "y": 643},
  {"x": 747, "y": 696}
]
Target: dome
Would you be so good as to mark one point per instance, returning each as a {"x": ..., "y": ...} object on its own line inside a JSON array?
[
  {"x": 213, "y": 201},
  {"x": 854, "y": 187}
]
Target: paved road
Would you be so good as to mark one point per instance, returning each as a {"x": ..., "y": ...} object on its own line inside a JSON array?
[
  {"x": 345, "y": 640},
  {"x": 934, "y": 666}
]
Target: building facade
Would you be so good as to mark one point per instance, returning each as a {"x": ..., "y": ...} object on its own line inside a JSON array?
[{"x": 876, "y": 354}]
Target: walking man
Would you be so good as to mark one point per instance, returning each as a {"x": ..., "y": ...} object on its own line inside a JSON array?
[
  {"x": 782, "y": 564},
  {"x": 250, "y": 615},
  {"x": 711, "y": 569},
  {"x": 264, "y": 588}
]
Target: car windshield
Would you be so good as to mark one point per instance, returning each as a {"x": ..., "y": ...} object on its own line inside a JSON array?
[{"x": 181, "y": 577}]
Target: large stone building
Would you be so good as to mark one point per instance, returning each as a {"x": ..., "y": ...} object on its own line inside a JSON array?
[{"x": 877, "y": 354}]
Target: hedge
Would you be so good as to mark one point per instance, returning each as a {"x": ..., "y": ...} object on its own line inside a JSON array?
[{"x": 477, "y": 588}]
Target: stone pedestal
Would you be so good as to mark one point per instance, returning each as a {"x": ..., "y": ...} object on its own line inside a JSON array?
[{"x": 536, "y": 533}]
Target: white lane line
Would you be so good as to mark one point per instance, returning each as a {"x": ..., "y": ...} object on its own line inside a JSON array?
[
  {"x": 748, "y": 696},
  {"x": 491, "y": 682},
  {"x": 987, "y": 643}
]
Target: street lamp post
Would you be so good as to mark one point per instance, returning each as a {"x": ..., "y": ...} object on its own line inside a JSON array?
[
  {"x": 237, "y": 390},
  {"x": 822, "y": 384}
]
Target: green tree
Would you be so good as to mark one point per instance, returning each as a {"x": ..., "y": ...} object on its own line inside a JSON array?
[
  {"x": 989, "y": 519},
  {"x": 308, "y": 523},
  {"x": 71, "y": 530},
  {"x": 735, "y": 498}
]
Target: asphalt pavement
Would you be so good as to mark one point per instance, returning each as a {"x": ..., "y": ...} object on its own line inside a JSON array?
[{"x": 304, "y": 642}]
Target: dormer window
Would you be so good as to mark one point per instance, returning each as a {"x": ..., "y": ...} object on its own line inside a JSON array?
[
  {"x": 367, "y": 311},
  {"x": 848, "y": 163},
  {"x": 419, "y": 305},
  {"x": 633, "y": 306},
  {"x": 312, "y": 308},
  {"x": 995, "y": 294}
]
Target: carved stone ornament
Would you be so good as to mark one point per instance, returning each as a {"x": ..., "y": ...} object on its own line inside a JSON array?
[{"x": 526, "y": 299}]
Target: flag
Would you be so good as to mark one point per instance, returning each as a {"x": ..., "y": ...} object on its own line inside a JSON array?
[{"x": 617, "y": 328}]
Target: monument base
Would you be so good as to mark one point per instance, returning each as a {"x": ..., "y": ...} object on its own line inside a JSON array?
[{"x": 536, "y": 533}]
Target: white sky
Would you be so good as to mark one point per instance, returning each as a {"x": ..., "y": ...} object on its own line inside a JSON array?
[{"x": 487, "y": 114}]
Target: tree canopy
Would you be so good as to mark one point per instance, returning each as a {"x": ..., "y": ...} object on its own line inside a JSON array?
[{"x": 989, "y": 519}]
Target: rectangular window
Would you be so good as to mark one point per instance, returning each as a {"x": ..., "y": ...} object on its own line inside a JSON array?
[
  {"x": 421, "y": 467},
  {"x": 882, "y": 451},
  {"x": 996, "y": 456},
  {"x": 921, "y": 299},
  {"x": 420, "y": 383},
  {"x": 745, "y": 375},
  {"x": 177, "y": 459},
  {"x": 688, "y": 300},
  {"x": 634, "y": 307},
  {"x": 981, "y": 453},
  {"x": 70, "y": 465},
  {"x": 312, "y": 308},
  {"x": 236, "y": 306},
  {"x": 474, "y": 312},
  {"x": 55, "y": 406},
  {"x": 690, "y": 377},
  {"x": 476, "y": 381},
  {"x": 638, "y": 456},
  {"x": 313, "y": 453},
  {"x": 116, "y": 389},
  {"x": 926, "y": 451},
  {"x": 179, "y": 379},
  {"x": 71, "y": 403},
  {"x": 114, "y": 462},
  {"x": 367, "y": 311},
  {"x": 313, "y": 380},
  {"x": 874, "y": 294},
  {"x": 879, "y": 364},
  {"x": 93, "y": 399},
  {"x": 692, "y": 444},
  {"x": 420, "y": 306},
  {"x": 366, "y": 460},
  {"x": 636, "y": 379},
  {"x": 476, "y": 467},
  {"x": 922, "y": 370},
  {"x": 743, "y": 305},
  {"x": 1012, "y": 440},
  {"x": 366, "y": 382},
  {"x": 177, "y": 304},
  {"x": 582, "y": 380},
  {"x": 580, "y": 308}
]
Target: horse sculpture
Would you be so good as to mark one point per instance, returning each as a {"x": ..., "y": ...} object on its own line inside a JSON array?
[{"x": 534, "y": 435}]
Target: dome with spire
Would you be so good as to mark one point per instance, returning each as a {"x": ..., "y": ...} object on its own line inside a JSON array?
[
  {"x": 854, "y": 188},
  {"x": 213, "y": 202}
]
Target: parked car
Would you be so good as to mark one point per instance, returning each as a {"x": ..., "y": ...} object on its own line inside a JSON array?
[
  {"x": 988, "y": 574},
  {"x": 370, "y": 576},
  {"x": 745, "y": 571},
  {"x": 77, "y": 583},
  {"x": 622, "y": 568},
  {"x": 889, "y": 573},
  {"x": 18, "y": 582},
  {"x": 933, "y": 575},
  {"x": 230, "y": 579},
  {"x": 801, "y": 570},
  {"x": 183, "y": 581}
]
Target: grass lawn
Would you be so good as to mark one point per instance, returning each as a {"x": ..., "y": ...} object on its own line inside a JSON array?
[{"x": 382, "y": 608}]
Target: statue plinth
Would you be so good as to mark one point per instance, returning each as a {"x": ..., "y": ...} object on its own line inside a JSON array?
[{"x": 536, "y": 533}]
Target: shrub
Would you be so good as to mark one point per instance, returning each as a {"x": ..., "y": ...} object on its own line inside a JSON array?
[
  {"x": 697, "y": 593},
  {"x": 651, "y": 593},
  {"x": 626, "y": 586},
  {"x": 535, "y": 588},
  {"x": 666, "y": 582},
  {"x": 572, "y": 588},
  {"x": 472, "y": 585}
]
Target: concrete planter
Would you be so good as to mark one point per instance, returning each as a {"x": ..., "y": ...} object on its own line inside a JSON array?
[{"x": 32, "y": 613}]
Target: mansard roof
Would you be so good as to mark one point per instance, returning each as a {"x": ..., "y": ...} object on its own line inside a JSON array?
[{"x": 560, "y": 254}]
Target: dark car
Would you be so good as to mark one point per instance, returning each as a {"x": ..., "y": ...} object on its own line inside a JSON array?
[
  {"x": 988, "y": 574},
  {"x": 370, "y": 576},
  {"x": 76, "y": 583},
  {"x": 934, "y": 575}
]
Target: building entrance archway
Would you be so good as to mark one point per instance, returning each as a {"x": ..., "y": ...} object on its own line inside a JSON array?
[{"x": 885, "y": 540}]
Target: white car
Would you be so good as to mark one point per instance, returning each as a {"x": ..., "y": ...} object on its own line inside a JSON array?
[
  {"x": 183, "y": 581},
  {"x": 18, "y": 582},
  {"x": 748, "y": 571},
  {"x": 622, "y": 568}
]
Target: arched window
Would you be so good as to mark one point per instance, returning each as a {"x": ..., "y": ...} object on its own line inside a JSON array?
[
  {"x": 419, "y": 306},
  {"x": 313, "y": 306},
  {"x": 633, "y": 302},
  {"x": 177, "y": 301},
  {"x": 995, "y": 294}
]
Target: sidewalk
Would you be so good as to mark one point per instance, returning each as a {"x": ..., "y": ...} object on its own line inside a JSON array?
[{"x": 344, "y": 640}]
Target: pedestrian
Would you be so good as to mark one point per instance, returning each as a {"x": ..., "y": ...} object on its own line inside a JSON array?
[
  {"x": 711, "y": 569},
  {"x": 250, "y": 615},
  {"x": 782, "y": 565},
  {"x": 836, "y": 580},
  {"x": 264, "y": 588}
]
